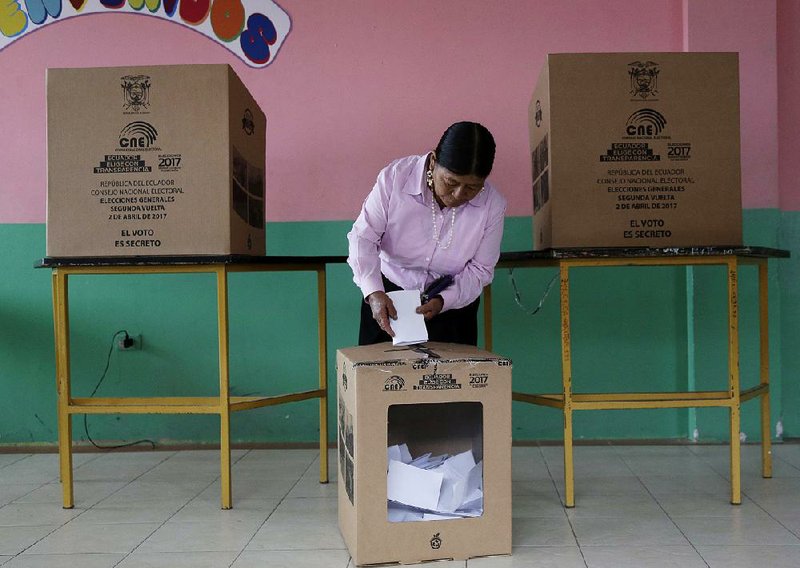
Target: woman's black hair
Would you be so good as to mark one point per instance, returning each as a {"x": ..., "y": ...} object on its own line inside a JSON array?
[{"x": 466, "y": 148}]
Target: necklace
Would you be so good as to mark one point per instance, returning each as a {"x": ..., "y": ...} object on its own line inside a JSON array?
[{"x": 452, "y": 224}]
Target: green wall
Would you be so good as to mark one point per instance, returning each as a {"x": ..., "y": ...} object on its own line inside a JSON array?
[
  {"x": 789, "y": 277},
  {"x": 630, "y": 333}
]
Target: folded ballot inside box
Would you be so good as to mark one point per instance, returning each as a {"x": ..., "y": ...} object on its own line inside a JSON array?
[
  {"x": 424, "y": 452},
  {"x": 435, "y": 491},
  {"x": 434, "y": 487}
]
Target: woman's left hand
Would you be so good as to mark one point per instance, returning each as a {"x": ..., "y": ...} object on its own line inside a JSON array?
[{"x": 431, "y": 308}]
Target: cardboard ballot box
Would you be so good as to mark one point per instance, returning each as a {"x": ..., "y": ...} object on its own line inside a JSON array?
[
  {"x": 163, "y": 160},
  {"x": 424, "y": 452},
  {"x": 635, "y": 150}
]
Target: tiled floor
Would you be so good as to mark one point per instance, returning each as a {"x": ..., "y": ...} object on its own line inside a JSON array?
[{"x": 637, "y": 506}]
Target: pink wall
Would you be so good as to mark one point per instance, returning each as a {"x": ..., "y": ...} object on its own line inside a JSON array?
[
  {"x": 788, "y": 110},
  {"x": 357, "y": 84},
  {"x": 749, "y": 28}
]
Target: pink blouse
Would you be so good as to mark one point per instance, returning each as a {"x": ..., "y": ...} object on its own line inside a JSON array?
[{"x": 394, "y": 234}]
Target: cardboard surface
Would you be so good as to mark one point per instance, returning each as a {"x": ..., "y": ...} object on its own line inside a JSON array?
[
  {"x": 161, "y": 160},
  {"x": 636, "y": 150},
  {"x": 438, "y": 398}
]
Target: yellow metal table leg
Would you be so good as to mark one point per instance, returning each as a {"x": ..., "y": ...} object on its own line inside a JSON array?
[
  {"x": 763, "y": 312},
  {"x": 566, "y": 377},
  {"x": 54, "y": 284},
  {"x": 733, "y": 373},
  {"x": 322, "y": 322},
  {"x": 224, "y": 389},
  {"x": 61, "y": 320}
]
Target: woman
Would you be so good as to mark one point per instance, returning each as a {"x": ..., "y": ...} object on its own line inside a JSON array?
[{"x": 430, "y": 216}]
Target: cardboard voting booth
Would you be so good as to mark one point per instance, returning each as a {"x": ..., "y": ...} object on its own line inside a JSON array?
[
  {"x": 424, "y": 442},
  {"x": 636, "y": 150},
  {"x": 161, "y": 160}
]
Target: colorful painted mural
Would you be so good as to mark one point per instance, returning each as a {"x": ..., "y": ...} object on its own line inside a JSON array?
[{"x": 252, "y": 29}]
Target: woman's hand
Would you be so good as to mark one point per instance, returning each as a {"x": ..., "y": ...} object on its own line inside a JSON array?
[
  {"x": 382, "y": 309},
  {"x": 431, "y": 308}
]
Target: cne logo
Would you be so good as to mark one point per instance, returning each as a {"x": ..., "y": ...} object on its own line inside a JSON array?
[
  {"x": 538, "y": 115},
  {"x": 138, "y": 134},
  {"x": 645, "y": 122},
  {"x": 394, "y": 383},
  {"x": 644, "y": 78},
  {"x": 135, "y": 93}
]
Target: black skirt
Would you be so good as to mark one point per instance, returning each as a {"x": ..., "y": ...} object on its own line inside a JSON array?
[{"x": 452, "y": 326}]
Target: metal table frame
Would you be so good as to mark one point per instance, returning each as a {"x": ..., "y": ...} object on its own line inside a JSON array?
[
  {"x": 221, "y": 405},
  {"x": 567, "y": 401}
]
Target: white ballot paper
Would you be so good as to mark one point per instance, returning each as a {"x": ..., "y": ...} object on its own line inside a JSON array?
[
  {"x": 430, "y": 487},
  {"x": 399, "y": 453},
  {"x": 409, "y": 327},
  {"x": 412, "y": 486}
]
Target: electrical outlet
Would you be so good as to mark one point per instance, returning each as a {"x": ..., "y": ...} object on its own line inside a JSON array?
[{"x": 134, "y": 343}]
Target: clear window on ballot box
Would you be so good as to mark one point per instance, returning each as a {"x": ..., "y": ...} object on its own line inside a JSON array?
[{"x": 435, "y": 461}]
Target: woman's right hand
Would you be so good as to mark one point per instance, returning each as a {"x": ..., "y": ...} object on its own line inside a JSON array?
[{"x": 382, "y": 309}]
